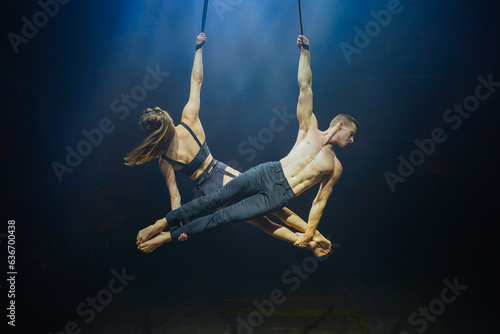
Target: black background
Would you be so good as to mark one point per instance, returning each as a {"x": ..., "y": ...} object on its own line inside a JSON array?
[{"x": 438, "y": 224}]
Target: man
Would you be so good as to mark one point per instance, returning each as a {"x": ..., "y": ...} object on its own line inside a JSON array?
[
  {"x": 270, "y": 186},
  {"x": 179, "y": 147}
]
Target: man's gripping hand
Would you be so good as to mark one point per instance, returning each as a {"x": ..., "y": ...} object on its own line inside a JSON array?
[
  {"x": 201, "y": 39},
  {"x": 302, "y": 41}
]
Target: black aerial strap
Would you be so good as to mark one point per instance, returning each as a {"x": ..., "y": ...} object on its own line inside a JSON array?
[
  {"x": 204, "y": 19},
  {"x": 300, "y": 16}
]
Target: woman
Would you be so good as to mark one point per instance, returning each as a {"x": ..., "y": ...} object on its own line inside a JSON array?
[{"x": 184, "y": 148}]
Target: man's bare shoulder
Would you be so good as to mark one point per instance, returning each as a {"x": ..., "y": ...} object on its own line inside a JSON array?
[{"x": 337, "y": 170}]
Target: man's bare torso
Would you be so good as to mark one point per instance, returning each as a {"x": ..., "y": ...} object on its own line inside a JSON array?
[{"x": 309, "y": 162}]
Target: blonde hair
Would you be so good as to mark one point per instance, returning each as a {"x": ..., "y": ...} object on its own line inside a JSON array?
[{"x": 159, "y": 127}]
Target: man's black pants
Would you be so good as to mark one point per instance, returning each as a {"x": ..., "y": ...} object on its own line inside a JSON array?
[{"x": 255, "y": 193}]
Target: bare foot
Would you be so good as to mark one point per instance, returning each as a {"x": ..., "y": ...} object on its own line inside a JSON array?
[
  {"x": 316, "y": 249},
  {"x": 151, "y": 245},
  {"x": 147, "y": 233},
  {"x": 182, "y": 237},
  {"x": 322, "y": 241}
]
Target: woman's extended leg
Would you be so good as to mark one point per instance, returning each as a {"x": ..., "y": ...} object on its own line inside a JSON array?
[
  {"x": 268, "y": 227},
  {"x": 283, "y": 233},
  {"x": 290, "y": 218}
]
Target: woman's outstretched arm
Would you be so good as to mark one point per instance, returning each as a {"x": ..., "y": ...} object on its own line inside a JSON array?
[
  {"x": 169, "y": 174},
  {"x": 190, "y": 114}
]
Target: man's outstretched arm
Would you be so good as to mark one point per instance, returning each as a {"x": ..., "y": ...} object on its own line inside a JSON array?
[
  {"x": 305, "y": 114},
  {"x": 318, "y": 205}
]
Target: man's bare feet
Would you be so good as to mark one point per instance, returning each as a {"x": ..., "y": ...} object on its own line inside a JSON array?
[
  {"x": 147, "y": 233},
  {"x": 182, "y": 237},
  {"x": 322, "y": 241},
  {"x": 316, "y": 249},
  {"x": 151, "y": 245}
]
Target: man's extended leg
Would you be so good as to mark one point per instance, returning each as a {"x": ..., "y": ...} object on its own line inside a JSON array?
[
  {"x": 268, "y": 191},
  {"x": 263, "y": 223},
  {"x": 246, "y": 184},
  {"x": 286, "y": 215}
]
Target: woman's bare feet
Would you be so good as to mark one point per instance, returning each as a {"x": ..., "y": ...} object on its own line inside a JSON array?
[
  {"x": 316, "y": 249},
  {"x": 322, "y": 241},
  {"x": 147, "y": 233},
  {"x": 151, "y": 245}
]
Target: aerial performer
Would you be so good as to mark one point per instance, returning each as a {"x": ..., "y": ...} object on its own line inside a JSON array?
[
  {"x": 184, "y": 148},
  {"x": 270, "y": 186}
]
